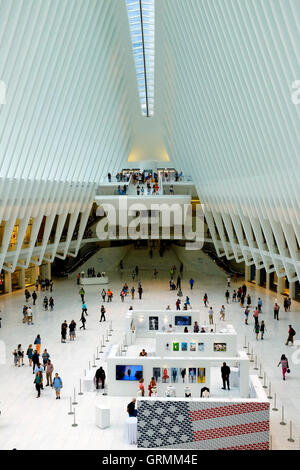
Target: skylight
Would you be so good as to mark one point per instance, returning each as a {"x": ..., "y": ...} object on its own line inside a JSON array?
[{"x": 141, "y": 23}]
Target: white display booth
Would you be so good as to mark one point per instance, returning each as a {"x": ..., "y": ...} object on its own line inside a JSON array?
[
  {"x": 223, "y": 343},
  {"x": 145, "y": 323},
  {"x": 123, "y": 372}
]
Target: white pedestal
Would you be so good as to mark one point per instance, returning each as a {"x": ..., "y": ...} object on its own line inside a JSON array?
[
  {"x": 92, "y": 281},
  {"x": 88, "y": 384},
  {"x": 102, "y": 417}
]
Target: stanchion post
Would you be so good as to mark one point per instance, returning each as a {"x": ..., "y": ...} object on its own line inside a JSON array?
[
  {"x": 260, "y": 372},
  {"x": 94, "y": 363},
  {"x": 248, "y": 352},
  {"x": 70, "y": 412},
  {"x": 265, "y": 384},
  {"x": 85, "y": 372},
  {"x": 75, "y": 402},
  {"x": 282, "y": 422},
  {"x": 290, "y": 439},
  {"x": 80, "y": 391},
  {"x": 251, "y": 358},
  {"x": 245, "y": 345},
  {"x": 97, "y": 356},
  {"x": 270, "y": 393},
  {"x": 107, "y": 340},
  {"x": 255, "y": 365},
  {"x": 275, "y": 404},
  {"x": 74, "y": 425}
]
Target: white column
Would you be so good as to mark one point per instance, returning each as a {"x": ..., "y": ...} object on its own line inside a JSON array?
[
  {"x": 22, "y": 278},
  {"x": 244, "y": 375},
  {"x": 292, "y": 290},
  {"x": 257, "y": 276},
  {"x": 267, "y": 280},
  {"x": 281, "y": 285},
  {"x": 48, "y": 270},
  {"x": 247, "y": 273},
  {"x": 7, "y": 281}
]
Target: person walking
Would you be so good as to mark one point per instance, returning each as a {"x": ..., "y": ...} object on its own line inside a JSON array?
[
  {"x": 27, "y": 295},
  {"x": 64, "y": 327},
  {"x": 29, "y": 354},
  {"x": 45, "y": 302},
  {"x": 259, "y": 304},
  {"x": 178, "y": 302},
  {"x": 192, "y": 283},
  {"x": 84, "y": 309},
  {"x": 122, "y": 295},
  {"x": 57, "y": 385},
  {"x": 256, "y": 330},
  {"x": 72, "y": 330},
  {"x": 247, "y": 311},
  {"x": 83, "y": 321},
  {"x": 178, "y": 283},
  {"x": 29, "y": 316},
  {"x": 242, "y": 300},
  {"x": 102, "y": 313},
  {"x": 51, "y": 303},
  {"x": 227, "y": 295},
  {"x": 49, "y": 370},
  {"x": 38, "y": 383},
  {"x": 234, "y": 296},
  {"x": 228, "y": 281},
  {"x": 35, "y": 360},
  {"x": 262, "y": 329},
  {"x": 34, "y": 297},
  {"x": 132, "y": 292},
  {"x": 222, "y": 313},
  {"x": 78, "y": 278},
  {"x": 205, "y": 299},
  {"x": 291, "y": 334},
  {"x": 255, "y": 315},
  {"x": 45, "y": 357},
  {"x": 38, "y": 343},
  {"x": 248, "y": 300},
  {"x": 211, "y": 316},
  {"x": 109, "y": 295},
  {"x": 276, "y": 311},
  {"x": 225, "y": 373},
  {"x": 140, "y": 291},
  {"x": 20, "y": 355},
  {"x": 82, "y": 293},
  {"x": 284, "y": 365},
  {"x": 103, "y": 294}
]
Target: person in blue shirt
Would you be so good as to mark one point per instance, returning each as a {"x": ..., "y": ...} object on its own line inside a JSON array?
[
  {"x": 57, "y": 385},
  {"x": 192, "y": 283}
]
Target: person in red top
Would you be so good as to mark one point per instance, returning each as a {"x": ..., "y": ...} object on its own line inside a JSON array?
[{"x": 291, "y": 335}]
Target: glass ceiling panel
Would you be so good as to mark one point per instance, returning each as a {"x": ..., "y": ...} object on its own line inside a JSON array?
[{"x": 141, "y": 24}]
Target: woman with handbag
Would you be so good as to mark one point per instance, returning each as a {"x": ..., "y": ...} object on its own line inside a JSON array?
[{"x": 285, "y": 365}]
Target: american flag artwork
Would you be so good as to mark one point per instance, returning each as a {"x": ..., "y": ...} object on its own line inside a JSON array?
[{"x": 206, "y": 425}]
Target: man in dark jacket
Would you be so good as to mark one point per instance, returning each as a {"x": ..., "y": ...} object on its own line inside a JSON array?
[
  {"x": 225, "y": 372},
  {"x": 100, "y": 375}
]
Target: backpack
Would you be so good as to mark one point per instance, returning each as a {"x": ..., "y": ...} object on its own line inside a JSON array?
[{"x": 293, "y": 332}]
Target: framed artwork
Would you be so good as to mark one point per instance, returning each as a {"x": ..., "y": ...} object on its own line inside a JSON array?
[
  {"x": 220, "y": 347},
  {"x": 165, "y": 378},
  {"x": 182, "y": 374},
  {"x": 201, "y": 375},
  {"x": 156, "y": 374},
  {"x": 175, "y": 346},
  {"x": 153, "y": 323},
  {"x": 193, "y": 347},
  {"x": 192, "y": 375},
  {"x": 184, "y": 346},
  {"x": 201, "y": 347},
  {"x": 174, "y": 375}
]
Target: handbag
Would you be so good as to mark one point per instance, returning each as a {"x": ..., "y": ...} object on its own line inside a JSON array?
[{"x": 288, "y": 371}]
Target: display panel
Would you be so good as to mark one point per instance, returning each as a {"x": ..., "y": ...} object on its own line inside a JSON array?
[
  {"x": 156, "y": 374},
  {"x": 184, "y": 346},
  {"x": 175, "y": 346},
  {"x": 129, "y": 372},
  {"x": 192, "y": 347},
  {"x": 165, "y": 376},
  {"x": 201, "y": 375},
  {"x": 220, "y": 347},
  {"x": 192, "y": 375},
  {"x": 183, "y": 374},
  {"x": 153, "y": 323},
  {"x": 183, "y": 320},
  {"x": 201, "y": 347},
  {"x": 174, "y": 374}
]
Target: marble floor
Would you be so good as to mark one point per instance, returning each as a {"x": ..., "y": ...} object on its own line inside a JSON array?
[{"x": 30, "y": 423}]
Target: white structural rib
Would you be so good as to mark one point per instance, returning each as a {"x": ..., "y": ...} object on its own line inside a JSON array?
[{"x": 224, "y": 83}]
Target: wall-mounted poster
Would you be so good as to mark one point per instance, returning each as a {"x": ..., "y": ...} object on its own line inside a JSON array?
[
  {"x": 129, "y": 372},
  {"x": 192, "y": 346},
  {"x": 153, "y": 323},
  {"x": 201, "y": 347},
  {"x": 165, "y": 376},
  {"x": 201, "y": 375},
  {"x": 220, "y": 347},
  {"x": 174, "y": 375},
  {"x": 192, "y": 375},
  {"x": 184, "y": 346},
  {"x": 182, "y": 374},
  {"x": 156, "y": 374},
  {"x": 175, "y": 346}
]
